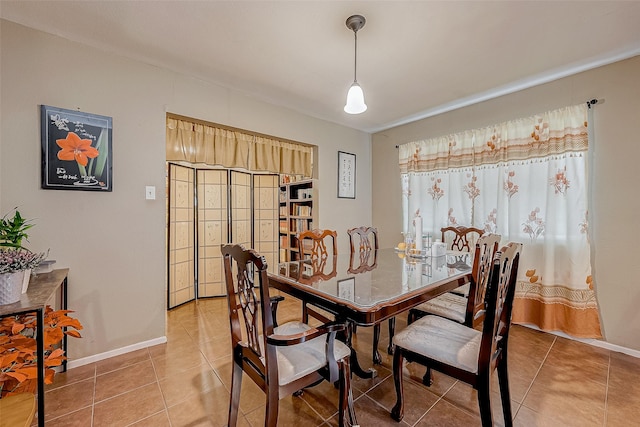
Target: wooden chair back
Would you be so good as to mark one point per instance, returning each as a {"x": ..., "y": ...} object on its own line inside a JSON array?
[
  {"x": 249, "y": 311},
  {"x": 366, "y": 238},
  {"x": 485, "y": 251},
  {"x": 462, "y": 238},
  {"x": 314, "y": 243},
  {"x": 363, "y": 242},
  {"x": 500, "y": 295}
]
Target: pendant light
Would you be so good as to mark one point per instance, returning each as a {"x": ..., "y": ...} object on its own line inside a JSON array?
[{"x": 355, "y": 97}]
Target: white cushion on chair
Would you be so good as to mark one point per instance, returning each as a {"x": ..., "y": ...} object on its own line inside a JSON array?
[
  {"x": 296, "y": 361},
  {"x": 447, "y": 305},
  {"x": 462, "y": 290},
  {"x": 443, "y": 340}
]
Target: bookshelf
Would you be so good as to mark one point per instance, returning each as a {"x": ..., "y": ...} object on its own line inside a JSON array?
[{"x": 298, "y": 207}]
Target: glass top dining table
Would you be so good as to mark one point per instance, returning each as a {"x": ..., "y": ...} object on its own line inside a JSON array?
[
  {"x": 384, "y": 284},
  {"x": 366, "y": 289}
]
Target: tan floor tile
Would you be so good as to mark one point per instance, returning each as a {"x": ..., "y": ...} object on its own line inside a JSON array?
[
  {"x": 121, "y": 361},
  {"x": 369, "y": 413},
  {"x": 522, "y": 372},
  {"x": 624, "y": 372},
  {"x": 464, "y": 397},
  {"x": 124, "y": 380},
  {"x": 130, "y": 407},
  {"x": 216, "y": 348},
  {"x": 417, "y": 398},
  {"x": 561, "y": 394},
  {"x": 292, "y": 411},
  {"x": 529, "y": 342},
  {"x": 323, "y": 398},
  {"x": 63, "y": 400},
  {"x": 444, "y": 414},
  {"x": 80, "y": 418},
  {"x": 71, "y": 376},
  {"x": 184, "y": 385},
  {"x": 161, "y": 419},
  {"x": 576, "y": 350},
  {"x": 529, "y": 418},
  {"x": 175, "y": 362},
  {"x": 205, "y": 409}
]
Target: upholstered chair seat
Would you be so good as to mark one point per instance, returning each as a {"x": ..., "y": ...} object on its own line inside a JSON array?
[
  {"x": 442, "y": 340},
  {"x": 299, "y": 360},
  {"x": 449, "y": 305}
]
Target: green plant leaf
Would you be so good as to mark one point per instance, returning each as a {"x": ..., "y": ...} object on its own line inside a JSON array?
[{"x": 103, "y": 148}]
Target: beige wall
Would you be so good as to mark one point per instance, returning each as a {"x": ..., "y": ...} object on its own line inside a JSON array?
[
  {"x": 615, "y": 201},
  {"x": 113, "y": 243}
]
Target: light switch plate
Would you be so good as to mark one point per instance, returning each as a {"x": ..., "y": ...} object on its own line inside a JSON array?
[{"x": 150, "y": 192}]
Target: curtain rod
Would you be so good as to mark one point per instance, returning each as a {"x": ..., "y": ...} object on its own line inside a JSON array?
[{"x": 591, "y": 102}]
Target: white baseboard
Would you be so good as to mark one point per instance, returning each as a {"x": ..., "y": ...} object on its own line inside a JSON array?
[
  {"x": 591, "y": 341},
  {"x": 107, "y": 354}
]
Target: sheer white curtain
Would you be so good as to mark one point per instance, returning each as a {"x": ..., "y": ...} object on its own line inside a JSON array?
[{"x": 527, "y": 180}]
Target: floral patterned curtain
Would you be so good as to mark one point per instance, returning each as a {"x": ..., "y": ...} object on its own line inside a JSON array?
[{"x": 526, "y": 180}]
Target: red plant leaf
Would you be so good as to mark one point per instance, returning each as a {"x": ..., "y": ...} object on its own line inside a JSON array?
[{"x": 74, "y": 334}]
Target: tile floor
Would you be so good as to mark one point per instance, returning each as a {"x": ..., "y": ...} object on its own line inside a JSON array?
[{"x": 185, "y": 382}]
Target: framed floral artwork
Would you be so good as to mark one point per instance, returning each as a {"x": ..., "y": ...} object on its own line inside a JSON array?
[{"x": 76, "y": 150}]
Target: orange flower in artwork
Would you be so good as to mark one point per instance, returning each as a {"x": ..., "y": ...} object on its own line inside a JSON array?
[{"x": 74, "y": 148}]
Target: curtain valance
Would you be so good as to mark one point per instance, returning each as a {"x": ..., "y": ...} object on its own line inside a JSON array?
[
  {"x": 547, "y": 134},
  {"x": 195, "y": 142}
]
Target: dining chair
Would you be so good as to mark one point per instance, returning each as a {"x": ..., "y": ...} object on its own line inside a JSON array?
[
  {"x": 469, "y": 310},
  {"x": 466, "y": 310},
  {"x": 319, "y": 248},
  {"x": 363, "y": 242},
  {"x": 280, "y": 360},
  {"x": 466, "y": 354},
  {"x": 460, "y": 238}
]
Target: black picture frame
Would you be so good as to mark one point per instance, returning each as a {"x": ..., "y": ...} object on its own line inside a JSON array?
[
  {"x": 346, "y": 175},
  {"x": 347, "y": 289},
  {"x": 77, "y": 150}
]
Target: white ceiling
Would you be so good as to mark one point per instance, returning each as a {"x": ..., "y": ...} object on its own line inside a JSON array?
[{"x": 415, "y": 58}]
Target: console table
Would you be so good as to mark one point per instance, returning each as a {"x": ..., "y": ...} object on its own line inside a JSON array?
[{"x": 42, "y": 288}]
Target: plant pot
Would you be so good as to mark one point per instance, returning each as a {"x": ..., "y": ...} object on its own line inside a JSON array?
[
  {"x": 11, "y": 287},
  {"x": 25, "y": 280}
]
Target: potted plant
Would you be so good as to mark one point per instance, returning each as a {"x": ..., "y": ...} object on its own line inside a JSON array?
[
  {"x": 18, "y": 358},
  {"x": 13, "y": 230},
  {"x": 16, "y": 261}
]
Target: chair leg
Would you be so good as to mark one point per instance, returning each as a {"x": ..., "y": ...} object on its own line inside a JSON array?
[
  {"x": 427, "y": 379},
  {"x": 484, "y": 400},
  {"x": 392, "y": 331},
  {"x": 271, "y": 415},
  {"x": 346, "y": 396},
  {"x": 377, "y": 359},
  {"x": 397, "y": 413},
  {"x": 236, "y": 384},
  {"x": 411, "y": 316},
  {"x": 505, "y": 396},
  {"x": 305, "y": 313}
]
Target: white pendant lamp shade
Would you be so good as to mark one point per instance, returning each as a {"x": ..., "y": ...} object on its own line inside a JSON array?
[
  {"x": 355, "y": 97},
  {"x": 355, "y": 100}
]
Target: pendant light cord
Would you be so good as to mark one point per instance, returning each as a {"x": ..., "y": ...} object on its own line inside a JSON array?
[{"x": 355, "y": 57}]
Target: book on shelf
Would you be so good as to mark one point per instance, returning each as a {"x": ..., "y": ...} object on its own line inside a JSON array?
[{"x": 302, "y": 210}]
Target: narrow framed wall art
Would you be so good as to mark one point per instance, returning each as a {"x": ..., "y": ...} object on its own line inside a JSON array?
[
  {"x": 76, "y": 150},
  {"x": 346, "y": 175}
]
